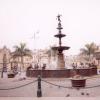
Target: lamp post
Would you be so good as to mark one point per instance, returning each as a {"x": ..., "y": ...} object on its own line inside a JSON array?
[
  {"x": 4, "y": 68},
  {"x": 39, "y": 62},
  {"x": 34, "y": 37}
]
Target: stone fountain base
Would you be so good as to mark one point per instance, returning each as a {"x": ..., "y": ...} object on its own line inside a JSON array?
[{"x": 64, "y": 73}]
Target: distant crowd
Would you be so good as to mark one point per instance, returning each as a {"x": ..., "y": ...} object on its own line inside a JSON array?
[
  {"x": 36, "y": 66},
  {"x": 83, "y": 65}
]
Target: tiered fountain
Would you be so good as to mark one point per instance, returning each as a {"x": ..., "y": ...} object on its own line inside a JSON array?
[
  {"x": 61, "y": 72},
  {"x": 60, "y": 48}
]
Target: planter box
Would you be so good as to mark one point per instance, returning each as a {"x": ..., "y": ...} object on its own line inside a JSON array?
[
  {"x": 78, "y": 82},
  {"x": 11, "y": 75}
]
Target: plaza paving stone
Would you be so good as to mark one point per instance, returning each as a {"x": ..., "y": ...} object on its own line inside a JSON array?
[{"x": 48, "y": 90}]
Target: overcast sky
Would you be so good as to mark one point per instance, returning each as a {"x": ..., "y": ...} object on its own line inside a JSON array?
[{"x": 21, "y": 19}]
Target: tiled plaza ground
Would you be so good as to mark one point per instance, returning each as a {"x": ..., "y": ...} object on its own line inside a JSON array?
[
  {"x": 48, "y": 90},
  {"x": 49, "y": 98}
]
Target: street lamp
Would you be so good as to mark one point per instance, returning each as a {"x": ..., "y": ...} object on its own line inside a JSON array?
[
  {"x": 4, "y": 68},
  {"x": 34, "y": 37}
]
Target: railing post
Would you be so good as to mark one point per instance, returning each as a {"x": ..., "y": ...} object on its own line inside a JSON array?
[{"x": 39, "y": 92}]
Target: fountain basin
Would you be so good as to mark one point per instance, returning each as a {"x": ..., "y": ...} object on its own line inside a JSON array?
[
  {"x": 78, "y": 81},
  {"x": 11, "y": 75}
]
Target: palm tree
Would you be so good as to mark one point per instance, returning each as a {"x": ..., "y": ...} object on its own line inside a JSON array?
[
  {"x": 89, "y": 50},
  {"x": 21, "y": 51}
]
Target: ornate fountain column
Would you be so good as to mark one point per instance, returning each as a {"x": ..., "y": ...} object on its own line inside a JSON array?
[
  {"x": 60, "y": 61},
  {"x": 60, "y": 48}
]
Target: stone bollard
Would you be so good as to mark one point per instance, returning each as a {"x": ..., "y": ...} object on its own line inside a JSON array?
[{"x": 39, "y": 92}]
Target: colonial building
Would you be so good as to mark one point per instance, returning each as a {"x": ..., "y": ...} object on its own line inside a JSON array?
[
  {"x": 41, "y": 58},
  {"x": 5, "y": 57},
  {"x": 27, "y": 60}
]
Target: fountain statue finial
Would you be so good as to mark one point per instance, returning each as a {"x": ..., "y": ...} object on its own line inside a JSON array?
[{"x": 58, "y": 17}]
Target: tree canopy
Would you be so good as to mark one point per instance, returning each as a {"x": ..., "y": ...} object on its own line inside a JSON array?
[
  {"x": 21, "y": 51},
  {"x": 89, "y": 49}
]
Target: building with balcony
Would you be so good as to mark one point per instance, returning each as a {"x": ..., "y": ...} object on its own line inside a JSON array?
[{"x": 5, "y": 55}]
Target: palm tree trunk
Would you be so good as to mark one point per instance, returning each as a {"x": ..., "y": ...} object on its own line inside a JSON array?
[{"x": 22, "y": 62}]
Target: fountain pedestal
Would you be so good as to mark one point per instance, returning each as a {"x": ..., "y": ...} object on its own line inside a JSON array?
[{"x": 60, "y": 61}]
